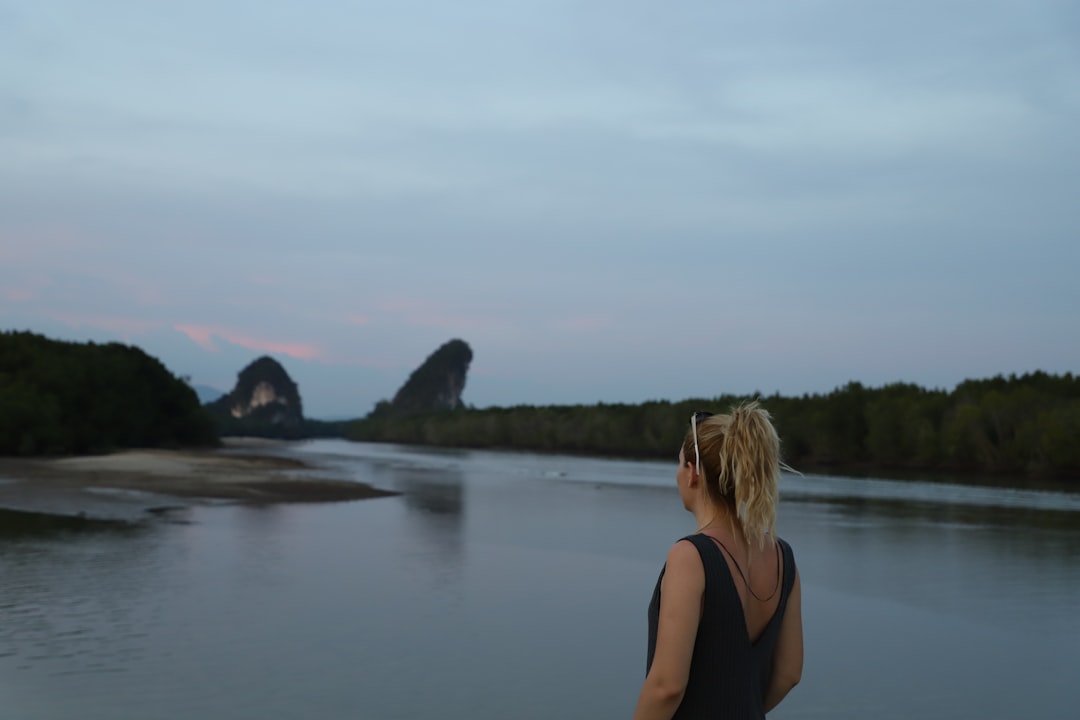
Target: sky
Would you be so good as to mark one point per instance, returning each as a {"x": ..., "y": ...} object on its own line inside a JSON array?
[{"x": 608, "y": 200}]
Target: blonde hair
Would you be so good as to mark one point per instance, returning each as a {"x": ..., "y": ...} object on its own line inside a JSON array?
[{"x": 740, "y": 465}]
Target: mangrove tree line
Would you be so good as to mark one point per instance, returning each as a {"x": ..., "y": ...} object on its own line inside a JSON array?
[{"x": 1028, "y": 424}]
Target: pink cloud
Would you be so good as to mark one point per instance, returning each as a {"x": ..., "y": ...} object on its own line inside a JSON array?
[{"x": 203, "y": 336}]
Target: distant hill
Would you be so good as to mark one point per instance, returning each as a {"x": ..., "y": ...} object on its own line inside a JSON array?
[
  {"x": 207, "y": 394},
  {"x": 66, "y": 398},
  {"x": 437, "y": 384},
  {"x": 432, "y": 390},
  {"x": 265, "y": 401}
]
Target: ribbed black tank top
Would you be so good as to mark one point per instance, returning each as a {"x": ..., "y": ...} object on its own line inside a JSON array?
[{"x": 729, "y": 675}]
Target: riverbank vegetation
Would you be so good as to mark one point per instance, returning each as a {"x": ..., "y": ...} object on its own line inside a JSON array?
[
  {"x": 62, "y": 398},
  {"x": 1015, "y": 425},
  {"x": 71, "y": 398}
]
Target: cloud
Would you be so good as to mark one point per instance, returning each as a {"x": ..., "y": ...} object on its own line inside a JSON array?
[
  {"x": 204, "y": 336},
  {"x": 621, "y": 184},
  {"x": 850, "y": 117}
]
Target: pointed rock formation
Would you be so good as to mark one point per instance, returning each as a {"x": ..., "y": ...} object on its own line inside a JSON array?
[
  {"x": 264, "y": 395},
  {"x": 437, "y": 384}
]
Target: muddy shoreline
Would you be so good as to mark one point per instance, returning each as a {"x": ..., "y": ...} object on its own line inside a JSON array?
[{"x": 126, "y": 485}]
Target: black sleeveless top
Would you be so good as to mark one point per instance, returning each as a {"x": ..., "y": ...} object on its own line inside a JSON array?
[{"x": 729, "y": 675}]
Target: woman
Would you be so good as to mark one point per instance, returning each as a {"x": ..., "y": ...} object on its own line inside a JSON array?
[{"x": 725, "y": 622}]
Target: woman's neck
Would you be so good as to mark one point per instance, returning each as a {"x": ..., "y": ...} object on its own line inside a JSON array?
[{"x": 710, "y": 516}]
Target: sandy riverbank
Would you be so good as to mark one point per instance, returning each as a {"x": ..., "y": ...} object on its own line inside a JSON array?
[{"x": 56, "y": 485}]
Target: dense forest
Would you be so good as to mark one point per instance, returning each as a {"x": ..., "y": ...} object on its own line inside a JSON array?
[
  {"x": 1016, "y": 425},
  {"x": 64, "y": 397}
]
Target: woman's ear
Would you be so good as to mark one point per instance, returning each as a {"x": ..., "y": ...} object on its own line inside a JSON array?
[{"x": 692, "y": 480}]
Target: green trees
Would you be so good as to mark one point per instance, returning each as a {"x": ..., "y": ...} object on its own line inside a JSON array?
[
  {"x": 1018, "y": 425},
  {"x": 61, "y": 397},
  {"x": 1015, "y": 424},
  {"x": 624, "y": 430}
]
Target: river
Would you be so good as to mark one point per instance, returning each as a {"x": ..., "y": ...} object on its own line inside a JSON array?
[{"x": 514, "y": 586}]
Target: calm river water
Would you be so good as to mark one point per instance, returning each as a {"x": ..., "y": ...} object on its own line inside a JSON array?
[{"x": 515, "y": 586}]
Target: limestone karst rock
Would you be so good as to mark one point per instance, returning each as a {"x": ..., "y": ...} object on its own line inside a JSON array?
[
  {"x": 438, "y": 383},
  {"x": 264, "y": 394}
]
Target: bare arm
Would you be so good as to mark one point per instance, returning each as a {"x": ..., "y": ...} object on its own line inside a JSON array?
[
  {"x": 681, "y": 591},
  {"x": 788, "y": 657}
]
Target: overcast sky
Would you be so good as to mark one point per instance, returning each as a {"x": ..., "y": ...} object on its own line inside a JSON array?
[{"x": 608, "y": 200}]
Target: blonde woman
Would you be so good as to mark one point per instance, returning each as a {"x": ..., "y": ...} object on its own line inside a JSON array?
[{"x": 725, "y": 621}]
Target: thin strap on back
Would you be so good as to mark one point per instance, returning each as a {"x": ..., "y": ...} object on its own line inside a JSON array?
[
  {"x": 728, "y": 669},
  {"x": 746, "y": 580},
  {"x": 716, "y": 567}
]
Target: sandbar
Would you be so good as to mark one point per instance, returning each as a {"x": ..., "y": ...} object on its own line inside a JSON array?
[{"x": 115, "y": 483}]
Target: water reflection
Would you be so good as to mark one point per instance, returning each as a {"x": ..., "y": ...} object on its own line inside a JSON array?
[
  {"x": 436, "y": 504},
  {"x": 430, "y": 493},
  {"x": 434, "y": 497},
  {"x": 942, "y": 477},
  {"x": 854, "y": 507},
  {"x": 261, "y": 543},
  {"x": 960, "y": 561},
  {"x": 919, "y": 601},
  {"x": 15, "y": 524},
  {"x": 71, "y": 594}
]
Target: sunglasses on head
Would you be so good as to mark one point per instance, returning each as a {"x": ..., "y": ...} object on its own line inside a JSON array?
[{"x": 697, "y": 417}]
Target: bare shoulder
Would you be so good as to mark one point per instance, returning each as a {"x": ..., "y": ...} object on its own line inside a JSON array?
[{"x": 683, "y": 559}]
